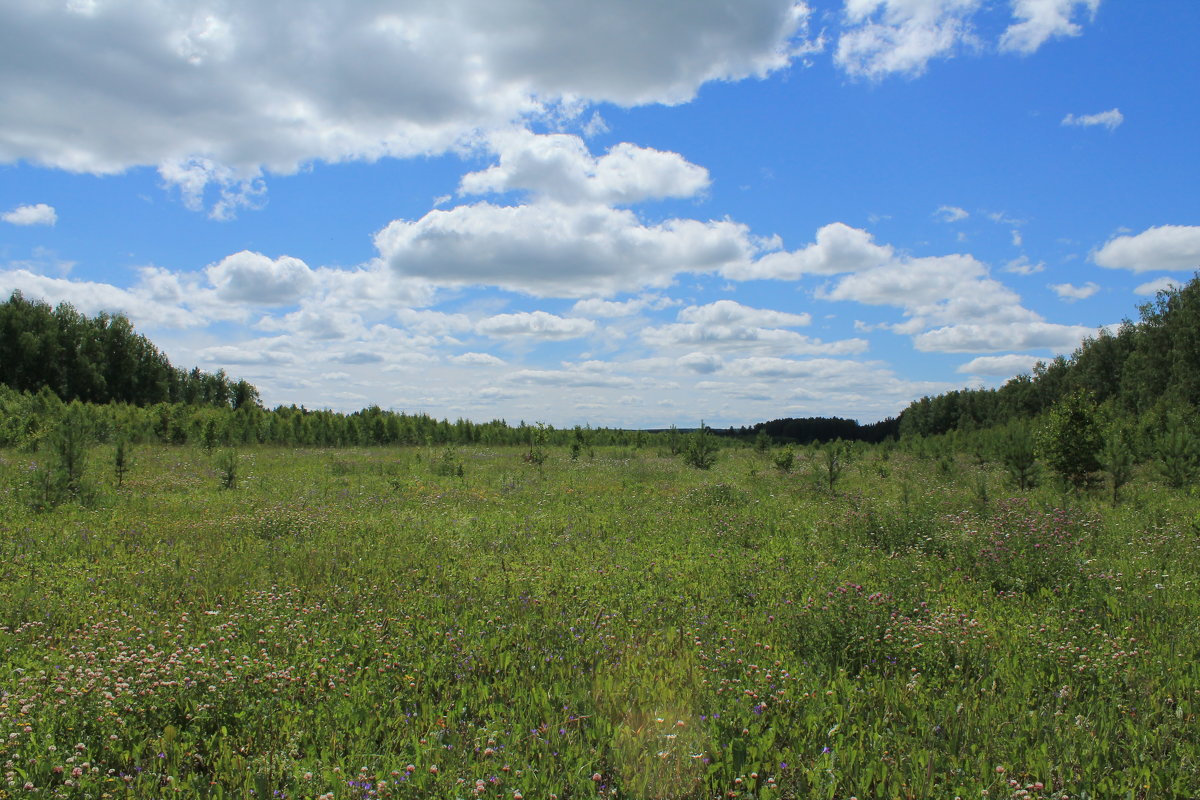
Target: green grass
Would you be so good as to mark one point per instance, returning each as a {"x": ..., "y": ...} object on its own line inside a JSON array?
[{"x": 368, "y": 623}]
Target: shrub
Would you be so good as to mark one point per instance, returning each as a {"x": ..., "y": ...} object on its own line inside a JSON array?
[{"x": 701, "y": 451}]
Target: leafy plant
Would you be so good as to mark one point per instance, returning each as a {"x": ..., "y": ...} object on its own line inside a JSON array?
[
  {"x": 701, "y": 450},
  {"x": 835, "y": 456},
  {"x": 1071, "y": 441},
  {"x": 1117, "y": 461},
  {"x": 1019, "y": 458},
  {"x": 785, "y": 458},
  {"x": 1177, "y": 455},
  {"x": 227, "y": 468}
]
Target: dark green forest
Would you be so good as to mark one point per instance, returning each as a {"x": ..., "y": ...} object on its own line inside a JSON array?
[
  {"x": 1143, "y": 374},
  {"x": 100, "y": 360}
]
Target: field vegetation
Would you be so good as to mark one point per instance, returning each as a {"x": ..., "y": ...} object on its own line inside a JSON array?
[{"x": 568, "y": 619}]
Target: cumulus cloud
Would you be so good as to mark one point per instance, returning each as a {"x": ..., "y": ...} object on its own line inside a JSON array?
[
  {"x": 260, "y": 353},
  {"x": 570, "y": 378},
  {"x": 745, "y": 337},
  {"x": 1023, "y": 266},
  {"x": 992, "y": 337},
  {"x": 838, "y": 248},
  {"x": 703, "y": 363},
  {"x": 1070, "y": 292},
  {"x": 951, "y": 213},
  {"x": 1110, "y": 119},
  {"x": 152, "y": 301},
  {"x": 535, "y": 325},
  {"x": 999, "y": 366},
  {"x": 248, "y": 87},
  {"x": 1042, "y": 20},
  {"x": 560, "y": 168},
  {"x": 729, "y": 312},
  {"x": 596, "y": 308},
  {"x": 38, "y": 214},
  {"x": 1151, "y": 288},
  {"x": 253, "y": 278},
  {"x": 477, "y": 360},
  {"x": 1161, "y": 248},
  {"x": 952, "y": 305},
  {"x": 902, "y": 36},
  {"x": 552, "y": 249},
  {"x": 885, "y": 37}
]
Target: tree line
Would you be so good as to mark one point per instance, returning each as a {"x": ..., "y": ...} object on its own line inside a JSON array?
[
  {"x": 1145, "y": 371},
  {"x": 101, "y": 360}
]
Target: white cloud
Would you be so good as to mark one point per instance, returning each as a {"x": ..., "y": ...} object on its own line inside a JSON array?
[
  {"x": 728, "y": 312},
  {"x": 560, "y": 168},
  {"x": 999, "y": 366},
  {"x": 1022, "y": 266},
  {"x": 478, "y": 360},
  {"x": 221, "y": 92},
  {"x": 571, "y": 378},
  {"x": 147, "y": 303},
  {"x": 703, "y": 363},
  {"x": 746, "y": 337},
  {"x": 247, "y": 277},
  {"x": 1110, "y": 119},
  {"x": 39, "y": 214},
  {"x": 608, "y": 309},
  {"x": 902, "y": 36},
  {"x": 551, "y": 249},
  {"x": 884, "y": 37},
  {"x": 993, "y": 337},
  {"x": 1070, "y": 292},
  {"x": 951, "y": 213},
  {"x": 259, "y": 353},
  {"x": 1151, "y": 288},
  {"x": 838, "y": 248},
  {"x": 952, "y": 305},
  {"x": 1161, "y": 248},
  {"x": 1041, "y": 20},
  {"x": 534, "y": 324}
]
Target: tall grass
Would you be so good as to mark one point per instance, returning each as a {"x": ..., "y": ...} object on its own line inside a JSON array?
[{"x": 368, "y": 623}]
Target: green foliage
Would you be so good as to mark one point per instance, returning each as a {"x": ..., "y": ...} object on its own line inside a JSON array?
[
  {"x": 785, "y": 458},
  {"x": 701, "y": 450},
  {"x": 64, "y": 448},
  {"x": 122, "y": 460},
  {"x": 537, "y": 453},
  {"x": 1117, "y": 460},
  {"x": 100, "y": 360},
  {"x": 448, "y": 465},
  {"x": 1019, "y": 548},
  {"x": 834, "y": 457},
  {"x": 628, "y": 627},
  {"x": 1019, "y": 458},
  {"x": 226, "y": 464},
  {"x": 1070, "y": 440},
  {"x": 1138, "y": 368},
  {"x": 762, "y": 441},
  {"x": 1177, "y": 455}
]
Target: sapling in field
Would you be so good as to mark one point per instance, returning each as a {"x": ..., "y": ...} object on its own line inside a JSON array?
[
  {"x": 60, "y": 476},
  {"x": 701, "y": 451},
  {"x": 227, "y": 466},
  {"x": 785, "y": 459},
  {"x": 835, "y": 456},
  {"x": 1177, "y": 455},
  {"x": 1117, "y": 461},
  {"x": 1020, "y": 462}
]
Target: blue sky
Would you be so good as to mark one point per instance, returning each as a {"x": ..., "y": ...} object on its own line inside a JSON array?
[{"x": 624, "y": 213}]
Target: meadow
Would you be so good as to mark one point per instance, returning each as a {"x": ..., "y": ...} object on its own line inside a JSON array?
[{"x": 426, "y": 623}]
